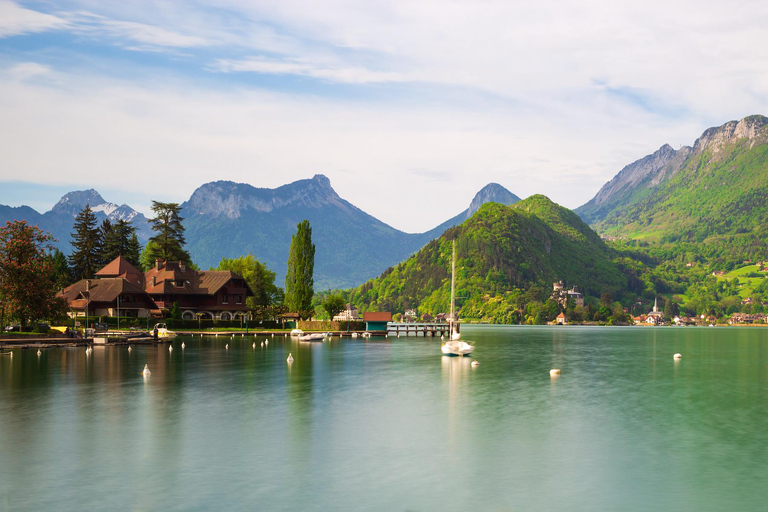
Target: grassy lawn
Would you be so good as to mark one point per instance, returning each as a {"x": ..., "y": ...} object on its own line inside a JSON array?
[{"x": 746, "y": 284}]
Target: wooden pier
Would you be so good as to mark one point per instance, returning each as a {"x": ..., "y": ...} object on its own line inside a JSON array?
[{"x": 423, "y": 329}]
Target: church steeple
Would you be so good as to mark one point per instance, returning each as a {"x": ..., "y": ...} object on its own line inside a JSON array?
[{"x": 656, "y": 305}]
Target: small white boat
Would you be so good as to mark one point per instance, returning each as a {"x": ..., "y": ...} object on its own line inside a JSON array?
[
  {"x": 315, "y": 336},
  {"x": 297, "y": 332}
]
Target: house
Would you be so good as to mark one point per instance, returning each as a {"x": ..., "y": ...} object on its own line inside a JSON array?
[
  {"x": 119, "y": 288},
  {"x": 411, "y": 315},
  {"x": 655, "y": 317},
  {"x": 560, "y": 320},
  {"x": 377, "y": 321},
  {"x": 110, "y": 296},
  {"x": 211, "y": 294},
  {"x": 348, "y": 315}
]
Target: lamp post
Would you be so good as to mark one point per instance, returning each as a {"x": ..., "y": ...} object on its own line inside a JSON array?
[{"x": 87, "y": 305}]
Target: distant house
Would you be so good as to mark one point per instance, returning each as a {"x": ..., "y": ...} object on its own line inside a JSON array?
[
  {"x": 410, "y": 315},
  {"x": 119, "y": 288},
  {"x": 347, "y": 315},
  {"x": 560, "y": 320},
  {"x": 377, "y": 321}
]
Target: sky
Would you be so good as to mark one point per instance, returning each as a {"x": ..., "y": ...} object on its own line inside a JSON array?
[{"x": 409, "y": 107}]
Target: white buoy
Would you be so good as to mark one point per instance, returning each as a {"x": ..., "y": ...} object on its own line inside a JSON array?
[
  {"x": 170, "y": 348},
  {"x": 129, "y": 348},
  {"x": 677, "y": 356},
  {"x": 254, "y": 344},
  {"x": 266, "y": 342},
  {"x": 262, "y": 344},
  {"x": 39, "y": 353},
  {"x": 273, "y": 335},
  {"x": 554, "y": 371},
  {"x": 233, "y": 336},
  {"x": 146, "y": 370},
  {"x": 290, "y": 358},
  {"x": 11, "y": 355},
  {"x": 475, "y": 363},
  {"x": 226, "y": 346},
  {"x": 183, "y": 345}
]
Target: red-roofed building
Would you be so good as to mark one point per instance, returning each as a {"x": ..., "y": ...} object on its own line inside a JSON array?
[{"x": 119, "y": 285}]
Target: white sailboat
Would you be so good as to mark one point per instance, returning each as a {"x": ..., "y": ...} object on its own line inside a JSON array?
[{"x": 454, "y": 346}]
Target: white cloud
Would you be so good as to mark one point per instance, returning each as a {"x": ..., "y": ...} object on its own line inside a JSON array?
[
  {"x": 16, "y": 20},
  {"x": 27, "y": 70},
  {"x": 305, "y": 67}
]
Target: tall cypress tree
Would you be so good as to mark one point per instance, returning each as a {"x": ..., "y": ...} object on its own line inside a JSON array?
[
  {"x": 168, "y": 243},
  {"x": 299, "y": 279},
  {"x": 85, "y": 258}
]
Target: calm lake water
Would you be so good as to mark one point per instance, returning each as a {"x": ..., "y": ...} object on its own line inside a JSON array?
[{"x": 392, "y": 425}]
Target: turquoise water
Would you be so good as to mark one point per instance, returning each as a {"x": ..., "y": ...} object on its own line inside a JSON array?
[{"x": 392, "y": 425}]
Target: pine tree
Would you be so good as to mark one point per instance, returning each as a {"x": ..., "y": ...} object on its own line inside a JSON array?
[
  {"x": 84, "y": 260},
  {"x": 117, "y": 239},
  {"x": 61, "y": 276},
  {"x": 299, "y": 279},
  {"x": 133, "y": 251},
  {"x": 168, "y": 243}
]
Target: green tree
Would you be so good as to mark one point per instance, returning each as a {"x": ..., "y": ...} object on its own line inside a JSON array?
[
  {"x": 299, "y": 279},
  {"x": 119, "y": 239},
  {"x": 61, "y": 275},
  {"x": 259, "y": 278},
  {"x": 27, "y": 280},
  {"x": 168, "y": 243},
  {"x": 334, "y": 304},
  {"x": 86, "y": 242},
  {"x": 176, "y": 311}
]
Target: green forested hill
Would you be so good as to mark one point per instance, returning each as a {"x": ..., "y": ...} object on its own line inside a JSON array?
[{"x": 501, "y": 251}]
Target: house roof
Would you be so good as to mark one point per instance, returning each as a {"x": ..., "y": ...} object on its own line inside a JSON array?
[
  {"x": 193, "y": 282},
  {"x": 376, "y": 316},
  {"x": 561, "y": 315},
  {"x": 98, "y": 290}
]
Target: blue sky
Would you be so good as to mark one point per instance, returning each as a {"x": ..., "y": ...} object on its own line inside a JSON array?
[{"x": 430, "y": 100}]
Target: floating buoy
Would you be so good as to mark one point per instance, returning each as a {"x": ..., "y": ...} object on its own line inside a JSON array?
[
  {"x": 254, "y": 344},
  {"x": 273, "y": 335},
  {"x": 11, "y": 355},
  {"x": 226, "y": 346},
  {"x": 290, "y": 358},
  {"x": 183, "y": 345},
  {"x": 266, "y": 342},
  {"x": 170, "y": 348},
  {"x": 146, "y": 370},
  {"x": 39, "y": 353},
  {"x": 677, "y": 356},
  {"x": 262, "y": 344},
  {"x": 129, "y": 348},
  {"x": 475, "y": 363},
  {"x": 233, "y": 336},
  {"x": 554, "y": 371}
]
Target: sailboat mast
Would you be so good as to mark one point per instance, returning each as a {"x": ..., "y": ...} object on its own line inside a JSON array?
[{"x": 453, "y": 280}]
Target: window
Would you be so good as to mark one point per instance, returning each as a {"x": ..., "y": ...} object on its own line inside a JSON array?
[
  {"x": 224, "y": 298},
  {"x": 179, "y": 283},
  {"x": 239, "y": 299}
]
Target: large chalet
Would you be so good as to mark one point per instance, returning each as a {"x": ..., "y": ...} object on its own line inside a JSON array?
[{"x": 119, "y": 289}]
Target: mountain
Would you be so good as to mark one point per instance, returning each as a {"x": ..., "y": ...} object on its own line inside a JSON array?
[
  {"x": 712, "y": 196},
  {"x": 491, "y": 193},
  {"x": 59, "y": 221},
  {"x": 533, "y": 242},
  {"x": 227, "y": 219}
]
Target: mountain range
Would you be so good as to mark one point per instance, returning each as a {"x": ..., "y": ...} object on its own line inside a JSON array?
[
  {"x": 60, "y": 219},
  {"x": 711, "y": 198},
  {"x": 227, "y": 219}
]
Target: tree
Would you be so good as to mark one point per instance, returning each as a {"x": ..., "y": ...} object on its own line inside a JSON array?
[
  {"x": 168, "y": 243},
  {"x": 119, "y": 239},
  {"x": 61, "y": 275},
  {"x": 259, "y": 278},
  {"x": 27, "y": 281},
  {"x": 334, "y": 304},
  {"x": 299, "y": 279},
  {"x": 84, "y": 260}
]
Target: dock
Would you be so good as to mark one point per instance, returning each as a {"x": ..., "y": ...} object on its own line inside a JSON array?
[{"x": 415, "y": 329}]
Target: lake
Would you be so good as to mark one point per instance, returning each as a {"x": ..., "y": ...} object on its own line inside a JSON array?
[{"x": 389, "y": 424}]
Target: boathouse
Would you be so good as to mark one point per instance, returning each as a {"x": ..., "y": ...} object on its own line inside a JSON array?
[{"x": 377, "y": 321}]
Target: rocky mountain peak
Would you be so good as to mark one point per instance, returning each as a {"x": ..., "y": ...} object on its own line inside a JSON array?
[
  {"x": 231, "y": 200},
  {"x": 73, "y": 202},
  {"x": 715, "y": 138},
  {"x": 491, "y": 193}
]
